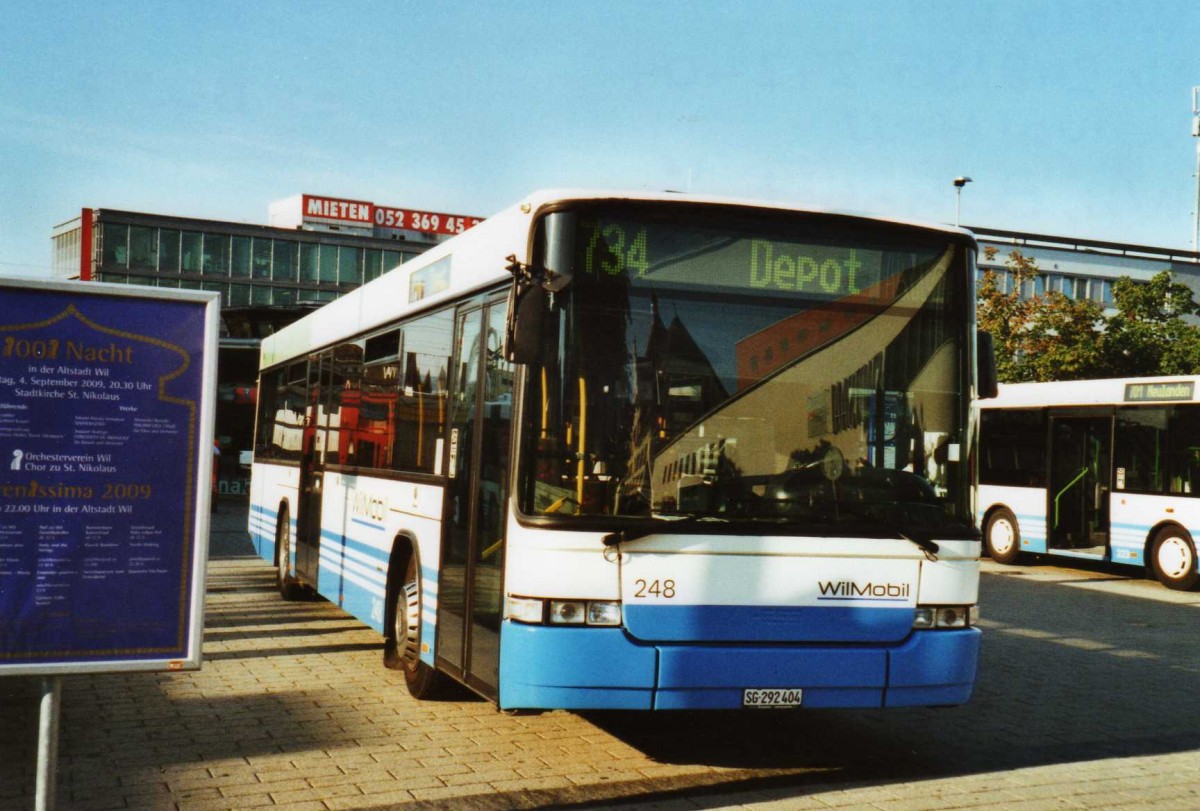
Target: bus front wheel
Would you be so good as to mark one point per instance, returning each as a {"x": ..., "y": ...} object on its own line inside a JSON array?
[
  {"x": 1173, "y": 559},
  {"x": 1001, "y": 536},
  {"x": 402, "y": 647}
]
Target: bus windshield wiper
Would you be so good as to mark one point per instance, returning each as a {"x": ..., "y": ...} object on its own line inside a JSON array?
[
  {"x": 622, "y": 535},
  {"x": 929, "y": 547}
]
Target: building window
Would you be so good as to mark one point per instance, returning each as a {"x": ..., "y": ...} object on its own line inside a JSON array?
[
  {"x": 372, "y": 264},
  {"x": 350, "y": 269},
  {"x": 192, "y": 251},
  {"x": 260, "y": 294},
  {"x": 216, "y": 255},
  {"x": 1033, "y": 287},
  {"x": 168, "y": 251},
  {"x": 329, "y": 256},
  {"x": 217, "y": 287},
  {"x": 143, "y": 247},
  {"x": 391, "y": 259},
  {"x": 284, "y": 296},
  {"x": 260, "y": 262},
  {"x": 240, "y": 256},
  {"x": 310, "y": 254},
  {"x": 116, "y": 245},
  {"x": 286, "y": 265},
  {"x": 239, "y": 295}
]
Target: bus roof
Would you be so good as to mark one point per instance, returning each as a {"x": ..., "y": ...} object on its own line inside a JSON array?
[
  {"x": 1112, "y": 391},
  {"x": 475, "y": 260}
]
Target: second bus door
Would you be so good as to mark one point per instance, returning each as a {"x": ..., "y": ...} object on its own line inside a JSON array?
[{"x": 1080, "y": 465}]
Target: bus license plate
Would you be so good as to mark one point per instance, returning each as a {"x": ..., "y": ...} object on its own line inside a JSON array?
[{"x": 771, "y": 697}]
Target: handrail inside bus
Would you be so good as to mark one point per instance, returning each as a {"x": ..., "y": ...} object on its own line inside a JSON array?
[{"x": 1083, "y": 472}]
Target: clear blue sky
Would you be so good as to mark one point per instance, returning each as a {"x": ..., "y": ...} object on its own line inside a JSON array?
[{"x": 1073, "y": 118}]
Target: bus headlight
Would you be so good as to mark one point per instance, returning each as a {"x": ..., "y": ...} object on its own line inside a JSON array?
[
  {"x": 604, "y": 613},
  {"x": 567, "y": 612},
  {"x": 564, "y": 612},
  {"x": 945, "y": 616},
  {"x": 523, "y": 609}
]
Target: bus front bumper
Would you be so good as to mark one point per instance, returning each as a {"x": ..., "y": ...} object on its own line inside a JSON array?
[{"x": 546, "y": 667}]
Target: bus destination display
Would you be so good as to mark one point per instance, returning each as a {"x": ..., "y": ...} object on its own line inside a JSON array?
[
  {"x": 100, "y": 407},
  {"x": 681, "y": 256}
]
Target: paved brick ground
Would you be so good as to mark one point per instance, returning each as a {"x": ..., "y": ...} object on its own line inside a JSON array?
[{"x": 1089, "y": 698}]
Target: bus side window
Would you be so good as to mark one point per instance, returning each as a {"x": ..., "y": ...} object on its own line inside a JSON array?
[
  {"x": 1013, "y": 448},
  {"x": 1183, "y": 449},
  {"x": 1141, "y": 440},
  {"x": 421, "y": 410}
]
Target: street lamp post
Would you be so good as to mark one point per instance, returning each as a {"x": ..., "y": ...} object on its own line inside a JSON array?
[{"x": 959, "y": 182}]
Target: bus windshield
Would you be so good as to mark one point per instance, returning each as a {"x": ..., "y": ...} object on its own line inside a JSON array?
[{"x": 810, "y": 373}]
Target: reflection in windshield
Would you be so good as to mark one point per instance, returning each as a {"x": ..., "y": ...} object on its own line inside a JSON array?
[{"x": 753, "y": 378}]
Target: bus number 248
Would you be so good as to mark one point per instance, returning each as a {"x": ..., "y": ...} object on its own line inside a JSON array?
[{"x": 652, "y": 589}]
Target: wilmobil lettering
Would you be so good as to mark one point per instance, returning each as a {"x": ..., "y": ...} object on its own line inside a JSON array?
[{"x": 848, "y": 589}]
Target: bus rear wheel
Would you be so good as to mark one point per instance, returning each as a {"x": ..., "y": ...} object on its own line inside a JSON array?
[
  {"x": 402, "y": 647},
  {"x": 1173, "y": 559},
  {"x": 289, "y": 589},
  {"x": 1001, "y": 537}
]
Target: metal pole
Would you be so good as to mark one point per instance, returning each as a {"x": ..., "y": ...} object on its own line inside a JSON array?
[
  {"x": 1196, "y": 135},
  {"x": 959, "y": 182},
  {"x": 1196, "y": 220},
  {"x": 47, "y": 753}
]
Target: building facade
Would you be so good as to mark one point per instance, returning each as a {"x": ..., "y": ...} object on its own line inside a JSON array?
[
  {"x": 315, "y": 249},
  {"x": 1081, "y": 268}
]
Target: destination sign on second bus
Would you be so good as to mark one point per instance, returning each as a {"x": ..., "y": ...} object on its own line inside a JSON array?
[{"x": 1159, "y": 392}]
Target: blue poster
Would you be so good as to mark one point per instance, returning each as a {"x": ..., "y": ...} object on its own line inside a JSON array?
[{"x": 100, "y": 455}]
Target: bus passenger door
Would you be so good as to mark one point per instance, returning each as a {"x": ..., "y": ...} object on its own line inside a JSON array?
[
  {"x": 1080, "y": 483},
  {"x": 470, "y": 595},
  {"x": 312, "y": 462}
]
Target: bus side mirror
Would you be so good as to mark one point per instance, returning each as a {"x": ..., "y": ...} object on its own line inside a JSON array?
[
  {"x": 527, "y": 308},
  {"x": 528, "y": 299},
  {"x": 985, "y": 358}
]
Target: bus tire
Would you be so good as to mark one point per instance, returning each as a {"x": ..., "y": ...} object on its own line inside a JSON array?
[
  {"x": 402, "y": 645},
  {"x": 1002, "y": 537},
  {"x": 1173, "y": 559},
  {"x": 289, "y": 589}
]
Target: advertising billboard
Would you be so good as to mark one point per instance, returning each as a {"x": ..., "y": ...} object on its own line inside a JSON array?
[{"x": 107, "y": 395}]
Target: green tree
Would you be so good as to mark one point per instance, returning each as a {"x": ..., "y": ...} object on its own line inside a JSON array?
[
  {"x": 1047, "y": 336},
  {"x": 1050, "y": 336},
  {"x": 1149, "y": 334}
]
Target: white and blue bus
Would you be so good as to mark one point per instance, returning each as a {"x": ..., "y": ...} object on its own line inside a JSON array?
[
  {"x": 641, "y": 452},
  {"x": 1103, "y": 470}
]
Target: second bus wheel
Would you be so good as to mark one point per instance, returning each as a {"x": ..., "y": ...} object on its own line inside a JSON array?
[
  {"x": 1173, "y": 559},
  {"x": 1001, "y": 536},
  {"x": 402, "y": 647}
]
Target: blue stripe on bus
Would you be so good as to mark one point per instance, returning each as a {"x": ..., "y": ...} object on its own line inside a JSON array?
[
  {"x": 1033, "y": 532},
  {"x": 737, "y": 623},
  {"x": 603, "y": 668},
  {"x": 334, "y": 576}
]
